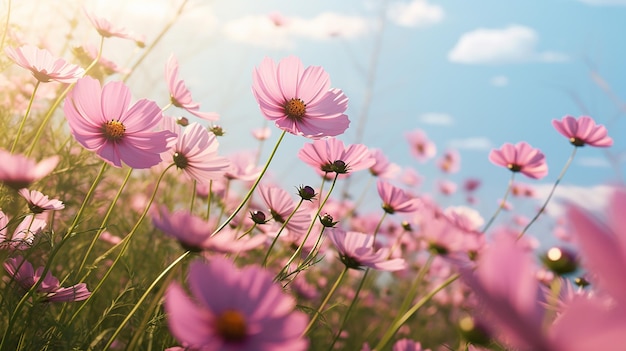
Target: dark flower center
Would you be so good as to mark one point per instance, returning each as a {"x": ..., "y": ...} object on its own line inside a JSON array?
[
  {"x": 350, "y": 262},
  {"x": 231, "y": 326},
  {"x": 514, "y": 167},
  {"x": 577, "y": 141},
  {"x": 113, "y": 130},
  {"x": 295, "y": 109},
  {"x": 180, "y": 160},
  {"x": 277, "y": 217},
  {"x": 175, "y": 102}
]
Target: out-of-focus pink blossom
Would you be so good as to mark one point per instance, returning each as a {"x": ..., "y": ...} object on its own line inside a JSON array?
[
  {"x": 43, "y": 65},
  {"x": 522, "y": 158},
  {"x": 583, "y": 131},
  {"x": 18, "y": 171}
]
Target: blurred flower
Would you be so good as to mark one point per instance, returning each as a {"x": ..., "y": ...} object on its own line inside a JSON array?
[
  {"x": 261, "y": 133},
  {"x": 101, "y": 121},
  {"x": 331, "y": 156},
  {"x": 281, "y": 205},
  {"x": 396, "y": 199},
  {"x": 106, "y": 29},
  {"x": 520, "y": 158},
  {"x": 471, "y": 184},
  {"x": 446, "y": 187},
  {"x": 420, "y": 146},
  {"x": 43, "y": 65},
  {"x": 50, "y": 289},
  {"x": 450, "y": 162},
  {"x": 24, "y": 234},
  {"x": 382, "y": 168},
  {"x": 300, "y": 101},
  {"x": 233, "y": 309},
  {"x": 38, "y": 202},
  {"x": 356, "y": 250},
  {"x": 583, "y": 131},
  {"x": 242, "y": 166},
  {"x": 407, "y": 345},
  {"x": 180, "y": 96},
  {"x": 17, "y": 171}
]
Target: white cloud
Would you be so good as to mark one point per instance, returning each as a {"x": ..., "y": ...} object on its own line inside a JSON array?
[
  {"x": 592, "y": 198},
  {"x": 593, "y": 162},
  {"x": 416, "y": 13},
  {"x": 435, "y": 118},
  {"x": 474, "y": 143},
  {"x": 499, "y": 81},
  {"x": 604, "y": 2},
  {"x": 260, "y": 30},
  {"x": 512, "y": 44}
]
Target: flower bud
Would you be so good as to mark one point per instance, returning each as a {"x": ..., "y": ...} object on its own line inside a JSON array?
[
  {"x": 183, "y": 121},
  {"x": 217, "y": 130},
  {"x": 327, "y": 220},
  {"x": 560, "y": 260},
  {"x": 258, "y": 217},
  {"x": 306, "y": 193},
  {"x": 340, "y": 167}
]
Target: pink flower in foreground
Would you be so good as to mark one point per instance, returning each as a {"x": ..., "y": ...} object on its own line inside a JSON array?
[
  {"x": 330, "y": 155},
  {"x": 420, "y": 146},
  {"x": 101, "y": 121},
  {"x": 233, "y": 309},
  {"x": 38, "y": 202},
  {"x": 43, "y": 65},
  {"x": 17, "y": 171},
  {"x": 356, "y": 250},
  {"x": 583, "y": 131},
  {"x": 396, "y": 199},
  {"x": 195, "y": 152},
  {"x": 300, "y": 101},
  {"x": 24, "y": 235},
  {"x": 180, "y": 96},
  {"x": 50, "y": 289},
  {"x": 521, "y": 158}
]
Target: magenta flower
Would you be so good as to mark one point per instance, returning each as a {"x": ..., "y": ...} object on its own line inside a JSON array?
[
  {"x": 281, "y": 205},
  {"x": 521, "y": 158},
  {"x": 101, "y": 121},
  {"x": 17, "y": 171},
  {"x": 195, "y": 152},
  {"x": 420, "y": 146},
  {"x": 38, "y": 202},
  {"x": 396, "y": 199},
  {"x": 50, "y": 289},
  {"x": 43, "y": 65},
  {"x": 300, "y": 101},
  {"x": 180, "y": 96},
  {"x": 24, "y": 235},
  {"x": 233, "y": 309},
  {"x": 583, "y": 131},
  {"x": 356, "y": 250},
  {"x": 330, "y": 155}
]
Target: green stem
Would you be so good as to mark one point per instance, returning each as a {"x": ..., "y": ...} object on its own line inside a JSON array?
[
  {"x": 347, "y": 314},
  {"x": 326, "y": 299},
  {"x": 282, "y": 227},
  {"x": 6, "y": 25},
  {"x": 501, "y": 205},
  {"x": 21, "y": 127},
  {"x": 193, "y": 195},
  {"x": 380, "y": 223},
  {"x": 209, "y": 200}
]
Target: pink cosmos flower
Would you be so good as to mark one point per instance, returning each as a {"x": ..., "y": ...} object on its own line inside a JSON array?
[
  {"x": 38, "y": 202},
  {"x": 50, "y": 289},
  {"x": 382, "y": 167},
  {"x": 583, "y": 131},
  {"x": 195, "y": 152},
  {"x": 356, "y": 250},
  {"x": 180, "y": 96},
  {"x": 471, "y": 184},
  {"x": 18, "y": 171},
  {"x": 261, "y": 133},
  {"x": 450, "y": 162},
  {"x": 243, "y": 167},
  {"x": 101, "y": 121},
  {"x": 446, "y": 187},
  {"x": 330, "y": 155},
  {"x": 233, "y": 309},
  {"x": 281, "y": 205},
  {"x": 106, "y": 29},
  {"x": 420, "y": 146},
  {"x": 299, "y": 101},
  {"x": 43, "y": 65},
  {"x": 396, "y": 199},
  {"x": 407, "y": 345},
  {"x": 521, "y": 158},
  {"x": 24, "y": 235}
]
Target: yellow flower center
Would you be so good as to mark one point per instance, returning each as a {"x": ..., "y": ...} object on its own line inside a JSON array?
[
  {"x": 295, "y": 109},
  {"x": 113, "y": 130},
  {"x": 514, "y": 167},
  {"x": 231, "y": 326}
]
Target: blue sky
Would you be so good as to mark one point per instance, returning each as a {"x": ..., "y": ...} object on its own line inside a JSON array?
[{"x": 472, "y": 74}]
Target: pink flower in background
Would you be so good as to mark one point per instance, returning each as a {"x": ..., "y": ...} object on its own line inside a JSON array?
[
  {"x": 101, "y": 121},
  {"x": 17, "y": 171},
  {"x": 281, "y": 205},
  {"x": 471, "y": 184},
  {"x": 583, "y": 131},
  {"x": 446, "y": 187},
  {"x": 24, "y": 235},
  {"x": 106, "y": 29},
  {"x": 50, "y": 289},
  {"x": 420, "y": 146},
  {"x": 356, "y": 250},
  {"x": 195, "y": 152},
  {"x": 521, "y": 158},
  {"x": 43, "y": 65},
  {"x": 277, "y": 19},
  {"x": 382, "y": 167},
  {"x": 330, "y": 155},
  {"x": 242, "y": 166},
  {"x": 450, "y": 162},
  {"x": 396, "y": 199},
  {"x": 233, "y": 309},
  {"x": 299, "y": 101},
  {"x": 38, "y": 202},
  {"x": 262, "y": 133},
  {"x": 408, "y": 345},
  {"x": 180, "y": 95}
]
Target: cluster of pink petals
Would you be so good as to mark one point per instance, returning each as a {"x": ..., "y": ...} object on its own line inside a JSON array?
[
  {"x": 421, "y": 147},
  {"x": 583, "y": 131},
  {"x": 43, "y": 65},
  {"x": 24, "y": 234},
  {"x": 106, "y": 29},
  {"x": 382, "y": 167},
  {"x": 38, "y": 202},
  {"x": 91, "y": 109},
  {"x": 299, "y": 101},
  {"x": 522, "y": 158},
  {"x": 180, "y": 95},
  {"x": 331, "y": 155},
  {"x": 18, "y": 171},
  {"x": 243, "y": 167},
  {"x": 50, "y": 289},
  {"x": 194, "y": 233},
  {"x": 356, "y": 250},
  {"x": 281, "y": 206},
  {"x": 195, "y": 152},
  {"x": 233, "y": 309},
  {"x": 396, "y": 199}
]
